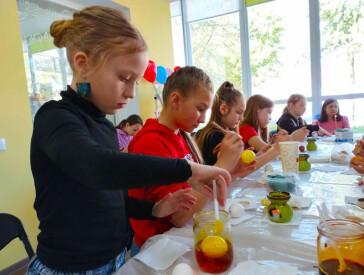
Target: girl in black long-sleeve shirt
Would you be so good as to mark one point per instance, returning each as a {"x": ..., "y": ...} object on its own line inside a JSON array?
[
  {"x": 291, "y": 119},
  {"x": 78, "y": 171}
]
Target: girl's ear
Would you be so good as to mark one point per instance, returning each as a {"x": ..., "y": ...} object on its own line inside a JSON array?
[
  {"x": 80, "y": 63},
  {"x": 127, "y": 125},
  {"x": 174, "y": 100},
  {"x": 224, "y": 109}
]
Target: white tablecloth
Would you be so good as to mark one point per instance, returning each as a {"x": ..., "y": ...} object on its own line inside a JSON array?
[{"x": 256, "y": 240}]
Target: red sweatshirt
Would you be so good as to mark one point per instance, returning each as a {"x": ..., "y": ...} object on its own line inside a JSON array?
[{"x": 157, "y": 140}]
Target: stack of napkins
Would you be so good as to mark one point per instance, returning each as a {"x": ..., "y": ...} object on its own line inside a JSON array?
[
  {"x": 252, "y": 267},
  {"x": 162, "y": 254}
]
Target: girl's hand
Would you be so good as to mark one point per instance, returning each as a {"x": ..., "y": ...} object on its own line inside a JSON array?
[
  {"x": 358, "y": 149},
  {"x": 229, "y": 151},
  {"x": 323, "y": 132},
  {"x": 300, "y": 134},
  {"x": 282, "y": 135},
  {"x": 358, "y": 166},
  {"x": 242, "y": 169},
  {"x": 181, "y": 199},
  {"x": 201, "y": 180},
  {"x": 265, "y": 149}
]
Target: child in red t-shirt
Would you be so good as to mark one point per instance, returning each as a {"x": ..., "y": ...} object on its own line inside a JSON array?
[
  {"x": 254, "y": 127},
  {"x": 187, "y": 95}
]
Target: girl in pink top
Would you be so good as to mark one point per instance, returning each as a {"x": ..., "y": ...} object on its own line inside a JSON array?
[
  {"x": 126, "y": 130},
  {"x": 330, "y": 118}
]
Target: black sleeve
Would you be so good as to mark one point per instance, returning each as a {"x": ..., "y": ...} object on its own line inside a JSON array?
[
  {"x": 138, "y": 209},
  {"x": 212, "y": 140},
  {"x": 313, "y": 128},
  {"x": 287, "y": 124},
  {"x": 65, "y": 139}
]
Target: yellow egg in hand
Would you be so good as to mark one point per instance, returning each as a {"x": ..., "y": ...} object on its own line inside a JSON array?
[
  {"x": 214, "y": 246},
  {"x": 247, "y": 156}
]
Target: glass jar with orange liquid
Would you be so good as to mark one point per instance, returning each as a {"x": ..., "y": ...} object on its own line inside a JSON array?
[
  {"x": 340, "y": 247},
  {"x": 213, "y": 245}
]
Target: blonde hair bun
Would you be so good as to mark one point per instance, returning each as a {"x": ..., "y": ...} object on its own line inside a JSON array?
[{"x": 58, "y": 30}]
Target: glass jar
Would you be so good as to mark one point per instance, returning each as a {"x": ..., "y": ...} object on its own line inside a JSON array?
[
  {"x": 311, "y": 144},
  {"x": 213, "y": 250},
  {"x": 279, "y": 210},
  {"x": 344, "y": 237},
  {"x": 303, "y": 162}
]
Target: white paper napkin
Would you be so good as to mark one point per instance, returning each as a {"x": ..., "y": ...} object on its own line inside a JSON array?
[
  {"x": 248, "y": 203},
  {"x": 320, "y": 158},
  {"x": 236, "y": 221},
  {"x": 350, "y": 171},
  {"x": 296, "y": 219},
  {"x": 355, "y": 201},
  {"x": 252, "y": 267},
  {"x": 162, "y": 254},
  {"x": 299, "y": 202}
]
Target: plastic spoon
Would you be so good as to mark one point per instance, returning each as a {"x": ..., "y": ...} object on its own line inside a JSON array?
[
  {"x": 342, "y": 264},
  {"x": 219, "y": 226}
]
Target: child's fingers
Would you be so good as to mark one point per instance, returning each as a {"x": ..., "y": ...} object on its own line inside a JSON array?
[
  {"x": 184, "y": 196},
  {"x": 184, "y": 207},
  {"x": 282, "y": 132},
  {"x": 221, "y": 192},
  {"x": 233, "y": 135},
  {"x": 356, "y": 163}
]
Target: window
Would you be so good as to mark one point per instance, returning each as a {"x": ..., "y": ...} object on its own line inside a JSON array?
[
  {"x": 342, "y": 46},
  {"x": 315, "y": 48},
  {"x": 177, "y": 30},
  {"x": 46, "y": 66},
  {"x": 216, "y": 48},
  {"x": 47, "y": 69},
  {"x": 279, "y": 48}
]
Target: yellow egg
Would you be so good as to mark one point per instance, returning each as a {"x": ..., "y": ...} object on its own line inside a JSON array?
[
  {"x": 247, "y": 156},
  {"x": 214, "y": 246},
  {"x": 265, "y": 201},
  {"x": 218, "y": 227},
  {"x": 270, "y": 149}
]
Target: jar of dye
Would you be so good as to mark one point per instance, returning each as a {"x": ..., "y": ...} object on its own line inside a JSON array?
[
  {"x": 340, "y": 247},
  {"x": 213, "y": 248}
]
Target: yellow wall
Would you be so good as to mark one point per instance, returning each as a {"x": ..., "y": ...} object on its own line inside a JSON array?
[
  {"x": 16, "y": 182},
  {"x": 154, "y": 22}
]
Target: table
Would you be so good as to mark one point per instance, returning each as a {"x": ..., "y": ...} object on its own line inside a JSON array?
[{"x": 265, "y": 243}]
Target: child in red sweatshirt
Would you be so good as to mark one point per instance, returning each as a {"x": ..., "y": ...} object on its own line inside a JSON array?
[{"x": 187, "y": 95}]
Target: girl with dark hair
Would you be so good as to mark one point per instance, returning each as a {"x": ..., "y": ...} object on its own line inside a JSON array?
[
  {"x": 330, "y": 118},
  {"x": 254, "y": 127},
  {"x": 127, "y": 129},
  {"x": 291, "y": 119}
]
